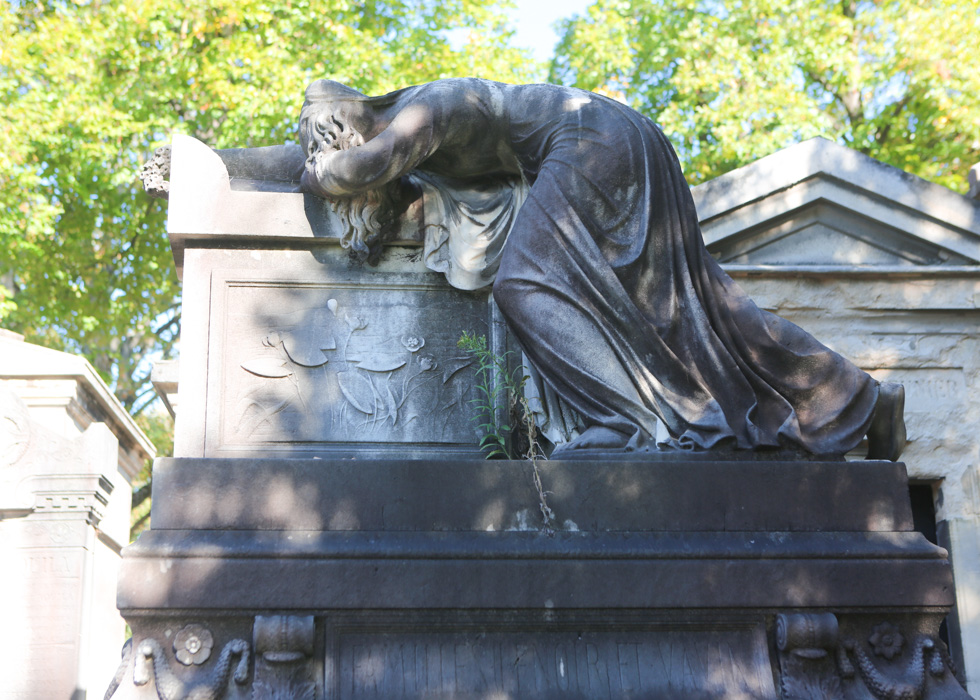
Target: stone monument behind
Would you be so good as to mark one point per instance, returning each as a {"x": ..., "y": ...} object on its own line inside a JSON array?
[
  {"x": 68, "y": 455},
  {"x": 326, "y": 528}
]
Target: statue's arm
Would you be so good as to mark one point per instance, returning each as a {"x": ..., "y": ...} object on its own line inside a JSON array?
[{"x": 413, "y": 135}]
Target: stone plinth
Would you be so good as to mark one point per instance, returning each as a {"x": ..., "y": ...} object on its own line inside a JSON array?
[
  {"x": 420, "y": 579},
  {"x": 68, "y": 454}
]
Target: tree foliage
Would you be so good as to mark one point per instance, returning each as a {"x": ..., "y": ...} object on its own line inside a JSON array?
[
  {"x": 159, "y": 428},
  {"x": 89, "y": 89},
  {"x": 733, "y": 81}
]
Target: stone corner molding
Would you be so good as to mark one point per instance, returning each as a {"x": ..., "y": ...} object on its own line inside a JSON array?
[
  {"x": 150, "y": 663},
  {"x": 816, "y": 662}
]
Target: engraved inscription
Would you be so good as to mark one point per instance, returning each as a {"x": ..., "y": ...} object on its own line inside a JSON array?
[
  {"x": 664, "y": 663},
  {"x": 937, "y": 390},
  {"x": 929, "y": 390}
]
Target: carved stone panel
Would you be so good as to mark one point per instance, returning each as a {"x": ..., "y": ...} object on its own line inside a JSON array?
[
  {"x": 361, "y": 366},
  {"x": 557, "y": 660}
]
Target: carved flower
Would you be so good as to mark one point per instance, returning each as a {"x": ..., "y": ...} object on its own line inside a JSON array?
[
  {"x": 886, "y": 640},
  {"x": 413, "y": 343},
  {"x": 355, "y": 322},
  {"x": 192, "y": 645},
  {"x": 427, "y": 363}
]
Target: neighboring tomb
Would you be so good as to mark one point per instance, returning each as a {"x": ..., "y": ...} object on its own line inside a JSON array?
[{"x": 68, "y": 455}]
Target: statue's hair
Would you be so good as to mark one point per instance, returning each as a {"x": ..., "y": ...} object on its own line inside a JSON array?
[
  {"x": 330, "y": 91},
  {"x": 365, "y": 216},
  {"x": 321, "y": 91}
]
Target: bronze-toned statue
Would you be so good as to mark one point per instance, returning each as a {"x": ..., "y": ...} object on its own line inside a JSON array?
[{"x": 574, "y": 207}]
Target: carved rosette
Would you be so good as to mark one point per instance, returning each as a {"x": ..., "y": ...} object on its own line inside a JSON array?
[
  {"x": 284, "y": 658},
  {"x": 192, "y": 645}
]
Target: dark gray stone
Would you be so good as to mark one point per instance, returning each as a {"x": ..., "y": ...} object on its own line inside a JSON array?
[
  {"x": 354, "y": 534},
  {"x": 441, "y": 578},
  {"x": 494, "y": 496},
  {"x": 563, "y": 656},
  {"x": 661, "y": 573}
]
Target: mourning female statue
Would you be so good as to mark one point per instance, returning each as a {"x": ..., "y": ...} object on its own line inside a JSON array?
[{"x": 574, "y": 208}]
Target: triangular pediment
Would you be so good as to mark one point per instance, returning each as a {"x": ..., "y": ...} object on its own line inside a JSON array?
[
  {"x": 823, "y": 233},
  {"x": 821, "y": 204}
]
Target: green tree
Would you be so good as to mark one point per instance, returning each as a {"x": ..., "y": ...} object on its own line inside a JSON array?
[
  {"x": 159, "y": 427},
  {"x": 89, "y": 90},
  {"x": 730, "y": 82}
]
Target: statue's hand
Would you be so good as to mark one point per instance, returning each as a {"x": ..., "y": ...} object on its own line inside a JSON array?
[{"x": 310, "y": 180}]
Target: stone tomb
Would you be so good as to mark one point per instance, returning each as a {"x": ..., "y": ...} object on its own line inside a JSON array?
[{"x": 312, "y": 539}]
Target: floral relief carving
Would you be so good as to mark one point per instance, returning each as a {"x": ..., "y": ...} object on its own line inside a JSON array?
[
  {"x": 192, "y": 645},
  {"x": 816, "y": 664},
  {"x": 155, "y": 174},
  {"x": 151, "y": 665},
  {"x": 413, "y": 343},
  {"x": 375, "y": 380},
  {"x": 908, "y": 680},
  {"x": 886, "y": 641}
]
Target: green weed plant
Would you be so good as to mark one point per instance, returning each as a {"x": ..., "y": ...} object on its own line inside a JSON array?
[{"x": 496, "y": 384}]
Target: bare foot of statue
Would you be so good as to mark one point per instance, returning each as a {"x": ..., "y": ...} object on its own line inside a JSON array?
[
  {"x": 595, "y": 438},
  {"x": 886, "y": 436}
]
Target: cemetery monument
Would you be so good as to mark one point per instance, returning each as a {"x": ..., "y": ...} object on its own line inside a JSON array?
[{"x": 327, "y": 528}]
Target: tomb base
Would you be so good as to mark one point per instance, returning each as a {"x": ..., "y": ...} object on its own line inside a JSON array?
[{"x": 336, "y": 579}]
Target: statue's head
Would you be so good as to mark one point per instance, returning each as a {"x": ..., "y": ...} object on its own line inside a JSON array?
[
  {"x": 326, "y": 118},
  {"x": 330, "y": 120}
]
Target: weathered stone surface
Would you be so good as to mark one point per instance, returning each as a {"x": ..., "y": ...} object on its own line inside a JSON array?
[
  {"x": 288, "y": 348},
  {"x": 361, "y": 534},
  {"x": 217, "y": 197},
  {"x": 302, "y": 355},
  {"x": 495, "y": 496},
  {"x": 566, "y": 656},
  {"x": 602, "y": 276},
  {"x": 779, "y": 187}
]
